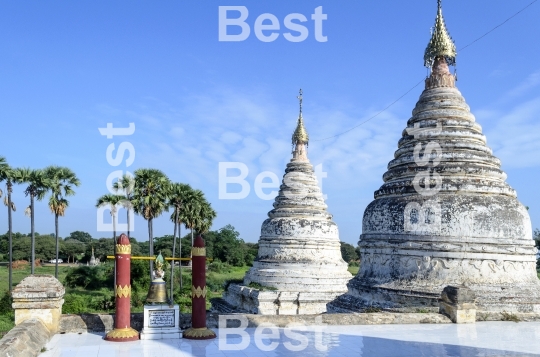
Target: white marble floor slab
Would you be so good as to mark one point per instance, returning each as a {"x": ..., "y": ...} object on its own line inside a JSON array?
[{"x": 480, "y": 339}]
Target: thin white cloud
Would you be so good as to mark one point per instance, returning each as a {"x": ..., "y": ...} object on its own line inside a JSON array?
[
  {"x": 531, "y": 82},
  {"x": 177, "y": 132},
  {"x": 515, "y": 138}
]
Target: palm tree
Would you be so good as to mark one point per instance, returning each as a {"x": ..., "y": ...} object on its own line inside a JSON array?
[
  {"x": 6, "y": 174},
  {"x": 197, "y": 214},
  {"x": 205, "y": 218},
  {"x": 150, "y": 199},
  {"x": 61, "y": 183},
  {"x": 37, "y": 188},
  {"x": 125, "y": 187},
  {"x": 112, "y": 201},
  {"x": 190, "y": 212},
  {"x": 178, "y": 195}
]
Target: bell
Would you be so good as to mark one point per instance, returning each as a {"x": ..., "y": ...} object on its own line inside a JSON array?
[{"x": 157, "y": 292}]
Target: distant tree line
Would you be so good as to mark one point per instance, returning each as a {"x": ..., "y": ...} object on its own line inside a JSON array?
[{"x": 224, "y": 245}]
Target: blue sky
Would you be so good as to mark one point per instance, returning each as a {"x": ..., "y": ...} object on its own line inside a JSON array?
[{"x": 68, "y": 68}]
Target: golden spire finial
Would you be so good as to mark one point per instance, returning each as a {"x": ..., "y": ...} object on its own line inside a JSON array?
[
  {"x": 441, "y": 43},
  {"x": 300, "y": 135},
  {"x": 300, "y": 99}
]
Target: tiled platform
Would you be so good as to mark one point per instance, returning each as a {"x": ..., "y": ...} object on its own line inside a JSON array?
[{"x": 480, "y": 339}]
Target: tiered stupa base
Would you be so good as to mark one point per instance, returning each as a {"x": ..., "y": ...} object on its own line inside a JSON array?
[
  {"x": 254, "y": 301},
  {"x": 523, "y": 298}
]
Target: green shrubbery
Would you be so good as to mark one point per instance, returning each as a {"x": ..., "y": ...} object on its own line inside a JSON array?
[
  {"x": 219, "y": 267},
  {"x": 91, "y": 278},
  {"x": 75, "y": 304},
  {"x": 7, "y": 315}
]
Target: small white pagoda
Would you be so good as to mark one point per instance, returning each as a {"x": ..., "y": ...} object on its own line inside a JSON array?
[{"x": 299, "y": 268}]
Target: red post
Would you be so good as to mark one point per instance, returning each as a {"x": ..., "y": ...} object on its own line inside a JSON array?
[
  {"x": 122, "y": 323},
  {"x": 198, "y": 330}
]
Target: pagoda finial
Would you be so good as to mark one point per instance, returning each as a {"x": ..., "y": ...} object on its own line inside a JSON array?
[
  {"x": 441, "y": 43},
  {"x": 300, "y": 135},
  {"x": 300, "y": 99}
]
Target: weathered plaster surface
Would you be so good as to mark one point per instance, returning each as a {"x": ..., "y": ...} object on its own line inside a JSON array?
[
  {"x": 25, "y": 340},
  {"x": 299, "y": 251},
  {"x": 41, "y": 297},
  {"x": 478, "y": 234}
]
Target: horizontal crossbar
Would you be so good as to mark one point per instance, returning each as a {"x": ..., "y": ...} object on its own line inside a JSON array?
[{"x": 154, "y": 258}]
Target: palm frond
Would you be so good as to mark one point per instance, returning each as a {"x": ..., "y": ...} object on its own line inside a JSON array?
[
  {"x": 60, "y": 182},
  {"x": 4, "y": 169},
  {"x": 28, "y": 211},
  {"x": 151, "y": 192}
]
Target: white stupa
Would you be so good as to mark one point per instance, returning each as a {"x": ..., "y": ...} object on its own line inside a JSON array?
[
  {"x": 445, "y": 214},
  {"x": 299, "y": 268}
]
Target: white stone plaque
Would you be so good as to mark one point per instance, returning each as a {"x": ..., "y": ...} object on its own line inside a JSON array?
[{"x": 161, "y": 318}]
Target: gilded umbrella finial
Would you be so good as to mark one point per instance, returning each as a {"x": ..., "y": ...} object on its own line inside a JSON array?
[
  {"x": 300, "y": 135},
  {"x": 300, "y": 99},
  {"x": 441, "y": 43}
]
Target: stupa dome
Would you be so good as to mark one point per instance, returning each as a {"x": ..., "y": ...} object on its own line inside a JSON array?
[
  {"x": 445, "y": 214},
  {"x": 299, "y": 268}
]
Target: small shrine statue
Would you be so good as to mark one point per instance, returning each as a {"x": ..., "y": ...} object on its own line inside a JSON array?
[
  {"x": 157, "y": 292},
  {"x": 159, "y": 263}
]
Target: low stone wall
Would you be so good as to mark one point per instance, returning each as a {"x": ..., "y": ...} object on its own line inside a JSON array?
[
  {"x": 25, "y": 340},
  {"x": 104, "y": 322}
]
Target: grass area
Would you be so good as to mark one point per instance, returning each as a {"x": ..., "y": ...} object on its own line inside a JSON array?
[
  {"x": 79, "y": 300},
  {"x": 20, "y": 274},
  {"x": 354, "y": 270},
  {"x": 7, "y": 318},
  {"x": 6, "y": 324},
  {"x": 215, "y": 281}
]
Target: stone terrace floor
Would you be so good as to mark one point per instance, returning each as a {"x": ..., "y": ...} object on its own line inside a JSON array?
[{"x": 480, "y": 339}]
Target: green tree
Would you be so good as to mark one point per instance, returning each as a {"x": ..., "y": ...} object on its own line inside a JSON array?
[
  {"x": 228, "y": 247},
  {"x": 348, "y": 252},
  {"x": 6, "y": 174},
  {"x": 81, "y": 236},
  {"x": 145, "y": 248},
  {"x": 45, "y": 247},
  {"x": 125, "y": 187},
  {"x": 252, "y": 251},
  {"x": 72, "y": 248},
  {"x": 205, "y": 218},
  {"x": 136, "y": 250},
  {"x": 22, "y": 247},
  {"x": 197, "y": 214},
  {"x": 37, "y": 186},
  {"x": 61, "y": 183},
  {"x": 102, "y": 248},
  {"x": 178, "y": 195},
  {"x": 150, "y": 199}
]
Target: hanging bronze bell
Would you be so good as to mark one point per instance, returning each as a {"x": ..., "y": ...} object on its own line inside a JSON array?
[{"x": 157, "y": 292}]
